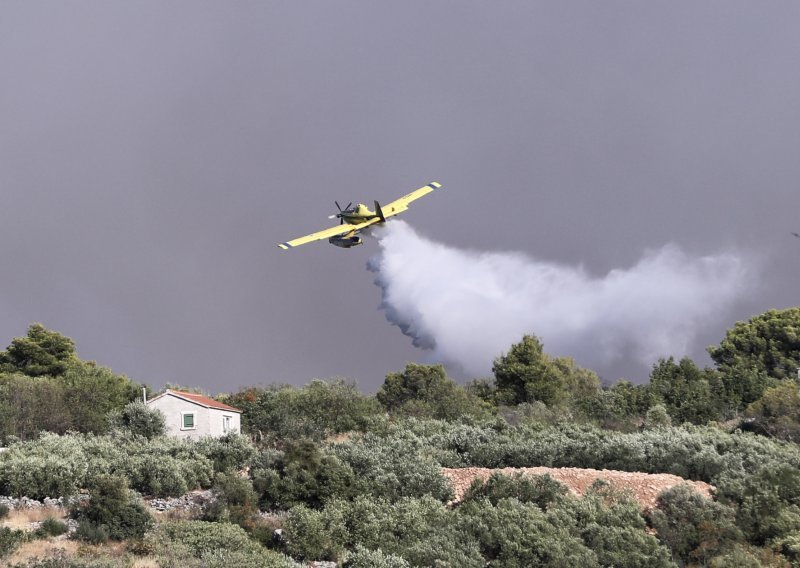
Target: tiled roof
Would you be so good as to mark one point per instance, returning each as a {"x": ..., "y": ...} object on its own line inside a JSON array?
[{"x": 200, "y": 399}]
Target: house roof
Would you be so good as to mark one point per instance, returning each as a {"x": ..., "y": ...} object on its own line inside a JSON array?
[{"x": 197, "y": 399}]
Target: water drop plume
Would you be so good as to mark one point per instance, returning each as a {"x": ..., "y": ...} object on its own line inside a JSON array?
[{"x": 467, "y": 307}]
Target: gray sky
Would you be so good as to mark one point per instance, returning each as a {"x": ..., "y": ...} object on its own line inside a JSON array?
[{"x": 152, "y": 154}]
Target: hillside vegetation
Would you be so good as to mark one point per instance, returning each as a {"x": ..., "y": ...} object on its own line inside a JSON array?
[{"x": 358, "y": 479}]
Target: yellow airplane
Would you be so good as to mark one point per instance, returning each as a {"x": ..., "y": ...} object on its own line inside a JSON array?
[{"x": 355, "y": 219}]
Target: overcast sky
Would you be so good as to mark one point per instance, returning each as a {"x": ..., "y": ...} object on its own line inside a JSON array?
[{"x": 152, "y": 155}]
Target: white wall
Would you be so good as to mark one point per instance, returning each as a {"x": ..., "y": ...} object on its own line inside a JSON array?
[
  {"x": 207, "y": 421},
  {"x": 217, "y": 422}
]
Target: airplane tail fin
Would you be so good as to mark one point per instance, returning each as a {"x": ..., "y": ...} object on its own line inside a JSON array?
[{"x": 379, "y": 212}]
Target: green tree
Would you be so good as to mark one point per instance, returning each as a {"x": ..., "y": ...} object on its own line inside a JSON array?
[
  {"x": 689, "y": 393},
  {"x": 619, "y": 407},
  {"x": 30, "y": 405},
  {"x": 777, "y": 413},
  {"x": 317, "y": 410},
  {"x": 768, "y": 342},
  {"x": 527, "y": 374},
  {"x": 657, "y": 417},
  {"x": 425, "y": 391},
  {"x": 755, "y": 353},
  {"x": 40, "y": 352},
  {"x": 579, "y": 383},
  {"x": 44, "y": 386},
  {"x": 92, "y": 391}
]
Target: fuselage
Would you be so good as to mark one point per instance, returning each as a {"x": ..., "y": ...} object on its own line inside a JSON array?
[
  {"x": 355, "y": 216},
  {"x": 358, "y": 214}
]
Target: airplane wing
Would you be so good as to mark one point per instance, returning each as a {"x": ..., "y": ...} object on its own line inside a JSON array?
[
  {"x": 325, "y": 234},
  {"x": 400, "y": 205},
  {"x": 366, "y": 224}
]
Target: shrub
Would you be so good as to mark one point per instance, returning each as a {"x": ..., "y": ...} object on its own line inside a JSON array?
[
  {"x": 211, "y": 545},
  {"x": 9, "y": 540},
  {"x": 61, "y": 559},
  {"x": 228, "y": 453},
  {"x": 749, "y": 557},
  {"x": 364, "y": 558},
  {"x": 91, "y": 532},
  {"x": 609, "y": 523},
  {"x": 309, "y": 536},
  {"x": 4, "y": 510},
  {"x": 234, "y": 493},
  {"x": 766, "y": 499},
  {"x": 252, "y": 559},
  {"x": 200, "y": 537},
  {"x": 422, "y": 531},
  {"x": 693, "y": 527},
  {"x": 52, "y": 527},
  {"x": 395, "y": 466},
  {"x": 777, "y": 412},
  {"x": 139, "y": 419},
  {"x": 657, "y": 417},
  {"x": 519, "y": 534},
  {"x": 542, "y": 490},
  {"x": 112, "y": 509},
  {"x": 303, "y": 474}
]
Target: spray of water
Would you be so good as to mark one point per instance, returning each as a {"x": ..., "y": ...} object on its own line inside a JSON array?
[{"x": 468, "y": 307}]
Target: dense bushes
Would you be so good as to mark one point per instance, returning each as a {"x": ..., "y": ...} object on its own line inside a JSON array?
[
  {"x": 281, "y": 412},
  {"x": 381, "y": 496},
  {"x": 357, "y": 479},
  {"x": 396, "y": 466},
  {"x": 54, "y": 466},
  {"x": 700, "y": 453},
  {"x": 602, "y": 529},
  {"x": 422, "y": 531},
  {"x": 211, "y": 545},
  {"x": 542, "y": 490}
]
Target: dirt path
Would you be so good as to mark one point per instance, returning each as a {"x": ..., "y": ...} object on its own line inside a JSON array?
[{"x": 645, "y": 487}]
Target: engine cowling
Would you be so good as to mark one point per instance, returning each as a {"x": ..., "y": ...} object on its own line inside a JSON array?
[{"x": 346, "y": 242}]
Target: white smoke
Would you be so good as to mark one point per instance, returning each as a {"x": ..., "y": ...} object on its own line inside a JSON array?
[{"x": 468, "y": 307}]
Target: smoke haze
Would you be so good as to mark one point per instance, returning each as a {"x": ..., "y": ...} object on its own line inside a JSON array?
[{"x": 468, "y": 307}]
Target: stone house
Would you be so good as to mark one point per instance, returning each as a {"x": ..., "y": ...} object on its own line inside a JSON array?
[{"x": 190, "y": 415}]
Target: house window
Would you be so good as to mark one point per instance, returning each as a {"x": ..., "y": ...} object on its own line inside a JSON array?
[
  {"x": 188, "y": 421},
  {"x": 226, "y": 424}
]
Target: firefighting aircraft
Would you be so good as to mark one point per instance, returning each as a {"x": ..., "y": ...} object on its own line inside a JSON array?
[{"x": 353, "y": 220}]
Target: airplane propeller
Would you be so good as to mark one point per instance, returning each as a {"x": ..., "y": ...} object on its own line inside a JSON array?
[{"x": 341, "y": 211}]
